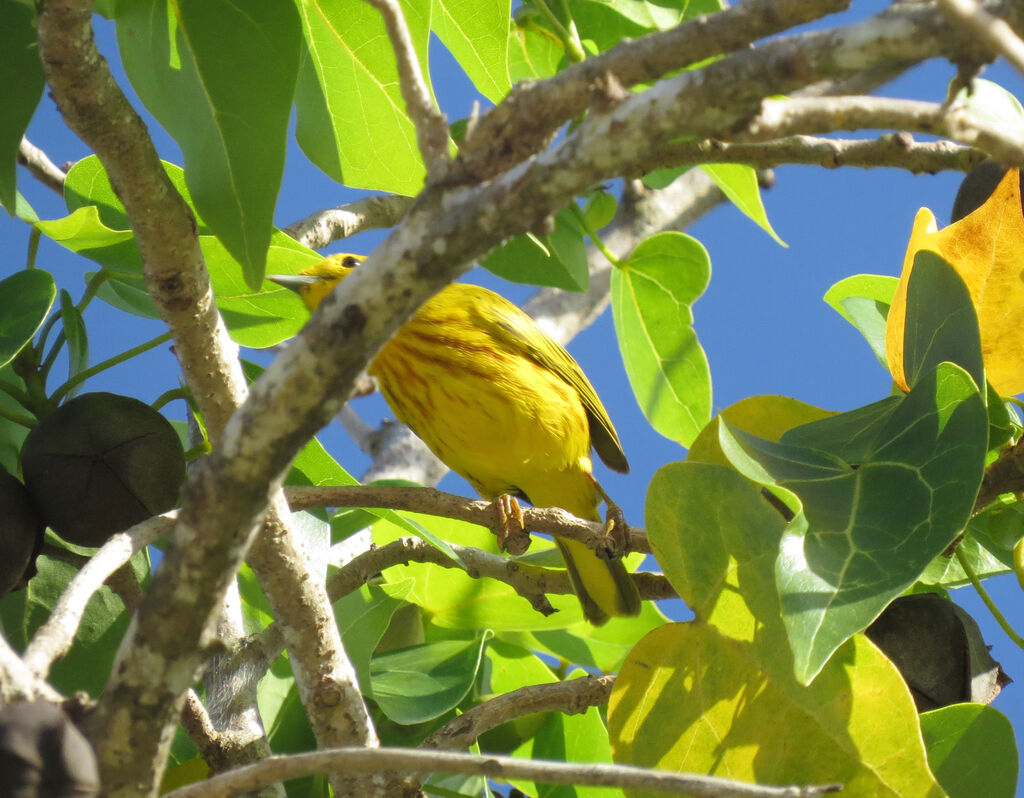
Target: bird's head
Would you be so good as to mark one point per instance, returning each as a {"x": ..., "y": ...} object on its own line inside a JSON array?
[{"x": 316, "y": 282}]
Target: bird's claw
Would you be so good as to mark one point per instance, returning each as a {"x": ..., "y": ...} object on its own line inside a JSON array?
[
  {"x": 512, "y": 534},
  {"x": 616, "y": 534}
]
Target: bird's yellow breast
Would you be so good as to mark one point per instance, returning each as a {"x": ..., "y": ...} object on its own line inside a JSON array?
[{"x": 492, "y": 414}]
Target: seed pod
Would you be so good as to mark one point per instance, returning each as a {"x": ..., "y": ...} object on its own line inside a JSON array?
[
  {"x": 43, "y": 755},
  {"x": 977, "y": 186},
  {"x": 100, "y": 464},
  {"x": 21, "y": 534}
]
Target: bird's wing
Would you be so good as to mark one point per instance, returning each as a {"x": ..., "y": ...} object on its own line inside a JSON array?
[{"x": 522, "y": 334}]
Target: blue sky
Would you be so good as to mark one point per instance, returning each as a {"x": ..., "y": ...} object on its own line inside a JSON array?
[{"x": 762, "y": 321}]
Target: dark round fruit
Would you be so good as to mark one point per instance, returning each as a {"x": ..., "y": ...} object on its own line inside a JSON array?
[
  {"x": 21, "y": 534},
  {"x": 100, "y": 464},
  {"x": 43, "y": 755},
  {"x": 977, "y": 187}
]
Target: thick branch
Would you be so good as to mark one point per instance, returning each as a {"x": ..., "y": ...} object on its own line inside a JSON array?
[
  {"x": 499, "y": 768},
  {"x": 527, "y": 119},
  {"x": 163, "y": 653},
  {"x": 993, "y": 31}
]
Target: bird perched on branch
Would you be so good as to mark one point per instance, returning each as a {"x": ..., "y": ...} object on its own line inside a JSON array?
[{"x": 503, "y": 405}]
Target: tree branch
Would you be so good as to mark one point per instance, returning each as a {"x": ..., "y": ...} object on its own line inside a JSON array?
[
  {"x": 572, "y": 697},
  {"x": 54, "y": 638},
  {"x": 40, "y": 166},
  {"x": 547, "y": 520},
  {"x": 164, "y": 649},
  {"x": 999, "y": 36},
  {"x": 319, "y": 229},
  {"x": 18, "y": 683},
  {"x": 897, "y": 150},
  {"x": 431, "y": 128},
  {"x": 826, "y": 114},
  {"x": 525, "y": 121},
  {"x": 499, "y": 768}
]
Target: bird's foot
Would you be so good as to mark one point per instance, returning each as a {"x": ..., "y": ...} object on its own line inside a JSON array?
[
  {"x": 616, "y": 531},
  {"x": 616, "y": 534},
  {"x": 512, "y": 534}
]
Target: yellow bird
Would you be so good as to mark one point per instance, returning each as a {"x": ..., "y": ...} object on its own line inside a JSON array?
[{"x": 503, "y": 405}]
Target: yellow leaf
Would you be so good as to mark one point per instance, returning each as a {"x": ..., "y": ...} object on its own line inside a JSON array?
[{"x": 986, "y": 248}]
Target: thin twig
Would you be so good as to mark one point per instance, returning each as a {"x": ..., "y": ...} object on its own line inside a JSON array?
[
  {"x": 897, "y": 150},
  {"x": 53, "y": 639},
  {"x": 778, "y": 118},
  {"x": 319, "y": 229},
  {"x": 571, "y": 697},
  {"x": 431, "y": 128},
  {"x": 499, "y": 768},
  {"x": 993, "y": 31},
  {"x": 547, "y": 520},
  {"x": 40, "y": 166}
]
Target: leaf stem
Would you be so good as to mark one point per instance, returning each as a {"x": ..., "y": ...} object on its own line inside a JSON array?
[
  {"x": 82, "y": 376},
  {"x": 593, "y": 236},
  {"x": 985, "y": 597},
  {"x": 47, "y": 364},
  {"x": 1018, "y": 562},
  {"x": 570, "y": 38},
  {"x": 16, "y": 393},
  {"x": 169, "y": 396},
  {"x": 33, "y": 248},
  {"x": 24, "y": 419},
  {"x": 91, "y": 288}
]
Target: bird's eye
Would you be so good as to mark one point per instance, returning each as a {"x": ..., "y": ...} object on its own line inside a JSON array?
[{"x": 350, "y": 262}]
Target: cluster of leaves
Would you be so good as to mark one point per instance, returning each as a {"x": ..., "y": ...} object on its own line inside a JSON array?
[{"x": 788, "y": 530}]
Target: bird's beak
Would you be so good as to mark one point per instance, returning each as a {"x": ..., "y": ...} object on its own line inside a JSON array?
[{"x": 293, "y": 282}]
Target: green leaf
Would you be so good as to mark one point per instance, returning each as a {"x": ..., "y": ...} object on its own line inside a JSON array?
[
  {"x": 580, "y": 737},
  {"x": 455, "y": 600},
  {"x": 220, "y": 78},
  {"x": 561, "y": 261},
  {"x": 352, "y": 121},
  {"x": 987, "y": 544},
  {"x": 12, "y": 434},
  {"x": 878, "y": 504},
  {"x": 25, "y": 299},
  {"x": 691, "y": 699},
  {"x": 651, "y": 298},
  {"x": 864, "y": 300},
  {"x": 972, "y": 750},
  {"x": 21, "y": 75},
  {"x": 476, "y": 33},
  {"x": 77, "y": 339},
  {"x": 533, "y": 51},
  {"x": 600, "y": 210},
  {"x": 22, "y": 209},
  {"x": 87, "y": 665},
  {"x": 739, "y": 183},
  {"x": 941, "y": 324},
  {"x": 607, "y": 22},
  {"x": 991, "y": 104},
  {"x": 719, "y": 695},
  {"x": 420, "y": 683},
  {"x": 260, "y": 318},
  {"x": 126, "y": 292},
  {"x": 363, "y": 617}
]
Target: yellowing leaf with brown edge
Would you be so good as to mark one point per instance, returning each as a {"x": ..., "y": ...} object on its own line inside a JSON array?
[{"x": 986, "y": 248}]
